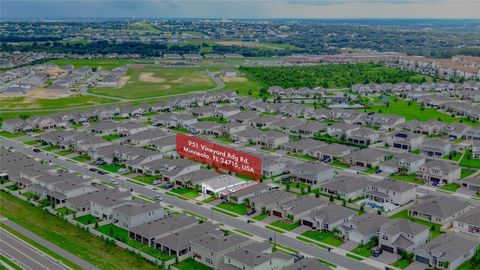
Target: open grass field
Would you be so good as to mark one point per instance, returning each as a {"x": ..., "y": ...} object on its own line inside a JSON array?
[
  {"x": 73, "y": 239},
  {"x": 412, "y": 111},
  {"x": 17, "y": 103},
  {"x": 107, "y": 64},
  {"x": 150, "y": 81}
]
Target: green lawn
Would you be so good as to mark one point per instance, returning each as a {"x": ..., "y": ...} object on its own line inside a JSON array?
[
  {"x": 302, "y": 156},
  {"x": 65, "y": 211},
  {"x": 87, "y": 219},
  {"x": 324, "y": 237},
  {"x": 34, "y": 142},
  {"x": 10, "y": 135},
  {"x": 404, "y": 214},
  {"x": 65, "y": 152},
  {"x": 190, "y": 264},
  {"x": 9, "y": 263},
  {"x": 12, "y": 187},
  {"x": 190, "y": 193},
  {"x": 413, "y": 111},
  {"x": 274, "y": 229},
  {"x": 51, "y": 148},
  {"x": 410, "y": 178},
  {"x": 82, "y": 158},
  {"x": 71, "y": 238},
  {"x": 452, "y": 187},
  {"x": 224, "y": 212},
  {"x": 107, "y": 64},
  {"x": 45, "y": 104},
  {"x": 354, "y": 256},
  {"x": 466, "y": 172},
  {"x": 364, "y": 250},
  {"x": 339, "y": 164},
  {"x": 455, "y": 156},
  {"x": 214, "y": 119},
  {"x": 260, "y": 217},
  {"x": 371, "y": 170},
  {"x": 153, "y": 80},
  {"x": 466, "y": 266},
  {"x": 402, "y": 263},
  {"x": 469, "y": 162},
  {"x": 224, "y": 139},
  {"x": 122, "y": 236},
  {"x": 111, "y": 168},
  {"x": 285, "y": 225},
  {"x": 147, "y": 179},
  {"x": 240, "y": 209},
  {"x": 111, "y": 137}
]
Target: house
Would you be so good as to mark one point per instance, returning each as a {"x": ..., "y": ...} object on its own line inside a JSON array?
[
  {"x": 202, "y": 112},
  {"x": 239, "y": 196},
  {"x": 211, "y": 249},
  {"x": 81, "y": 203},
  {"x": 203, "y": 127},
  {"x": 404, "y": 140},
  {"x": 363, "y": 136},
  {"x": 341, "y": 129},
  {"x": 362, "y": 228},
  {"x": 243, "y": 117},
  {"x": 432, "y": 127},
  {"x": 271, "y": 139},
  {"x": 472, "y": 183},
  {"x": 302, "y": 146},
  {"x": 179, "y": 243},
  {"x": 195, "y": 178},
  {"x": 448, "y": 251},
  {"x": 476, "y": 150},
  {"x": 272, "y": 166},
  {"x": 298, "y": 208},
  {"x": 226, "y": 111},
  {"x": 133, "y": 214},
  {"x": 330, "y": 151},
  {"x": 309, "y": 129},
  {"x": 263, "y": 121},
  {"x": 403, "y": 163},
  {"x": 402, "y": 235},
  {"x": 469, "y": 222},
  {"x": 41, "y": 122},
  {"x": 347, "y": 187},
  {"x": 436, "y": 171},
  {"x": 145, "y": 137},
  {"x": 181, "y": 121},
  {"x": 366, "y": 157},
  {"x": 288, "y": 123},
  {"x": 456, "y": 130},
  {"x": 308, "y": 264},
  {"x": 164, "y": 144},
  {"x": 328, "y": 218},
  {"x": 102, "y": 206},
  {"x": 220, "y": 183},
  {"x": 311, "y": 173},
  {"x": 390, "y": 191},
  {"x": 435, "y": 148},
  {"x": 244, "y": 258},
  {"x": 146, "y": 233},
  {"x": 438, "y": 209},
  {"x": 271, "y": 199},
  {"x": 16, "y": 126},
  {"x": 104, "y": 128}
]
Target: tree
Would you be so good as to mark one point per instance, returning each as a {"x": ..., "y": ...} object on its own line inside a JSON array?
[
  {"x": 475, "y": 261},
  {"x": 331, "y": 198},
  {"x": 362, "y": 208}
]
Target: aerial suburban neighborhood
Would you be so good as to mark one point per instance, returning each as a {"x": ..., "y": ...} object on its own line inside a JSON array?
[{"x": 235, "y": 144}]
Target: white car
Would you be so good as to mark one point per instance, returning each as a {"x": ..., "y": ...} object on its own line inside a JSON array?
[
  {"x": 158, "y": 197},
  {"x": 122, "y": 171},
  {"x": 156, "y": 182},
  {"x": 113, "y": 182}
]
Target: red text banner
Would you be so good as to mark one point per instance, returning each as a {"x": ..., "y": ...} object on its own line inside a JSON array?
[{"x": 219, "y": 156}]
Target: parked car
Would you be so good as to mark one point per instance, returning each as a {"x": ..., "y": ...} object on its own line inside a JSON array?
[
  {"x": 92, "y": 169},
  {"x": 113, "y": 182},
  {"x": 36, "y": 150},
  {"x": 122, "y": 171},
  {"x": 156, "y": 182},
  {"x": 376, "y": 251},
  {"x": 100, "y": 162},
  {"x": 251, "y": 211},
  {"x": 168, "y": 186},
  {"x": 158, "y": 197},
  {"x": 102, "y": 172}
]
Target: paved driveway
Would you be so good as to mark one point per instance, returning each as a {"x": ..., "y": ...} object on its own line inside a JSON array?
[
  {"x": 416, "y": 266},
  {"x": 349, "y": 245},
  {"x": 301, "y": 229},
  {"x": 386, "y": 257}
]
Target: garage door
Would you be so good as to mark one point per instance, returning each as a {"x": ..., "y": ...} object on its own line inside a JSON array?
[
  {"x": 422, "y": 259},
  {"x": 361, "y": 164},
  {"x": 307, "y": 223},
  {"x": 387, "y": 248},
  {"x": 277, "y": 213}
]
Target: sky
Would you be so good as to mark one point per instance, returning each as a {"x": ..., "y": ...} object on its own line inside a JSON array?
[{"x": 236, "y": 9}]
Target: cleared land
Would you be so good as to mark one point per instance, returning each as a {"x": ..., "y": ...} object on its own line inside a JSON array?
[
  {"x": 150, "y": 81},
  {"x": 15, "y": 103},
  {"x": 107, "y": 64}
]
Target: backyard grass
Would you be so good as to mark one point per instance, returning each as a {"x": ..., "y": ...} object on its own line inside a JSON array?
[
  {"x": 455, "y": 156},
  {"x": 122, "y": 236},
  {"x": 410, "y": 178},
  {"x": 469, "y": 162},
  {"x": 260, "y": 217},
  {"x": 466, "y": 173},
  {"x": 111, "y": 137},
  {"x": 12, "y": 187},
  {"x": 152, "y": 80},
  {"x": 190, "y": 264},
  {"x": 147, "y": 179},
  {"x": 111, "y": 168},
  {"x": 452, "y": 187},
  {"x": 71, "y": 238},
  {"x": 82, "y": 158},
  {"x": 65, "y": 211},
  {"x": 325, "y": 237},
  {"x": 285, "y": 225},
  {"x": 87, "y": 219},
  {"x": 413, "y": 111},
  {"x": 190, "y": 193},
  {"x": 434, "y": 228},
  {"x": 240, "y": 209}
]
